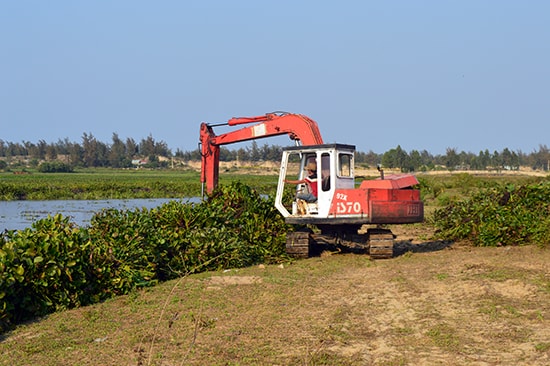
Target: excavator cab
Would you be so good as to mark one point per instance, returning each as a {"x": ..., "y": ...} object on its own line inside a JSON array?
[
  {"x": 342, "y": 210},
  {"x": 334, "y": 164}
]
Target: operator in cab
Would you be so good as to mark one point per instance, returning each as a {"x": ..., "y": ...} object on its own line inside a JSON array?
[{"x": 310, "y": 195}]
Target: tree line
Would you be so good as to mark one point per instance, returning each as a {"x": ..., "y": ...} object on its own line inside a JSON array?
[
  {"x": 126, "y": 153},
  {"x": 90, "y": 152}
]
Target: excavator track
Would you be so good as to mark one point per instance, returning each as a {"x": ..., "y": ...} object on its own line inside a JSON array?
[
  {"x": 298, "y": 244},
  {"x": 380, "y": 243},
  {"x": 377, "y": 242}
]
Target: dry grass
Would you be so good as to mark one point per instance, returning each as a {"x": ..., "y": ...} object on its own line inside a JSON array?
[{"x": 433, "y": 304}]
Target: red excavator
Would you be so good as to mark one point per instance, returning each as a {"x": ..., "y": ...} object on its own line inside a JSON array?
[{"x": 339, "y": 210}]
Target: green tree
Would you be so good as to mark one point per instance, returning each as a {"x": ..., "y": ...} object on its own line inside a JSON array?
[
  {"x": 76, "y": 154},
  {"x": 415, "y": 160},
  {"x": 254, "y": 152},
  {"x": 42, "y": 148},
  {"x": 496, "y": 161},
  {"x": 117, "y": 153},
  {"x": 147, "y": 146},
  {"x": 541, "y": 158},
  {"x": 452, "y": 160},
  {"x": 396, "y": 158},
  {"x": 132, "y": 148},
  {"x": 94, "y": 152}
]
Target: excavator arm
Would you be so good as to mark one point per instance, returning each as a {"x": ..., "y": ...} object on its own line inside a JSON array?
[{"x": 298, "y": 127}]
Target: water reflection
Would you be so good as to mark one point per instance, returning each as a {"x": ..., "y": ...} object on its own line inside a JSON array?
[{"x": 18, "y": 215}]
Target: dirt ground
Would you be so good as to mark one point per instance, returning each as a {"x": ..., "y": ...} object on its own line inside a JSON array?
[{"x": 434, "y": 303}]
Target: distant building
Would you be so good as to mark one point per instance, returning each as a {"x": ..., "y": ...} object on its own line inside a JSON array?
[{"x": 139, "y": 162}]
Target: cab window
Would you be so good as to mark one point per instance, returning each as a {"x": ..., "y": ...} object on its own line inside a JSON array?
[
  {"x": 325, "y": 172},
  {"x": 345, "y": 165}
]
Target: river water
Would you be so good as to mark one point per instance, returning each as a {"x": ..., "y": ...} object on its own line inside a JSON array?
[{"x": 18, "y": 215}]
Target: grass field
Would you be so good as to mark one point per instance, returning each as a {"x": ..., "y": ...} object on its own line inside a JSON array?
[
  {"x": 437, "y": 188},
  {"x": 119, "y": 184}
]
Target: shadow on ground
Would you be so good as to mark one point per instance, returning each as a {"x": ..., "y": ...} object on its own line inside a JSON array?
[
  {"x": 400, "y": 247},
  {"x": 404, "y": 246}
]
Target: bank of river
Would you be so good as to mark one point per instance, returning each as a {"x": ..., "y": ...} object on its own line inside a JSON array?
[{"x": 18, "y": 215}]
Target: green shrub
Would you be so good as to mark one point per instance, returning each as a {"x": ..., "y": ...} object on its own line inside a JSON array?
[
  {"x": 55, "y": 167},
  {"x": 499, "y": 216},
  {"x": 42, "y": 269},
  {"x": 233, "y": 227}
]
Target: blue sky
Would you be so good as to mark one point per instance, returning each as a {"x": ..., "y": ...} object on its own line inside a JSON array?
[{"x": 425, "y": 75}]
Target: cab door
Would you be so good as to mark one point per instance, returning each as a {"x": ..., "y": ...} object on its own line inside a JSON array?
[{"x": 325, "y": 181}]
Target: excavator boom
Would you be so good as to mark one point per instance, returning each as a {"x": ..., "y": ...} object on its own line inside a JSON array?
[{"x": 298, "y": 127}]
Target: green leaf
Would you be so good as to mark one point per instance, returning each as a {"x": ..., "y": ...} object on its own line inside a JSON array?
[{"x": 20, "y": 270}]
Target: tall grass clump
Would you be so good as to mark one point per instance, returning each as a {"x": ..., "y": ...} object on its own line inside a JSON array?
[{"x": 507, "y": 215}]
